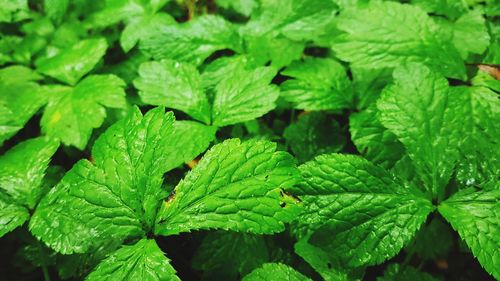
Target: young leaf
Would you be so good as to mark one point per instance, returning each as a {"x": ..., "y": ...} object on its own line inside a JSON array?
[
  {"x": 236, "y": 186},
  {"x": 387, "y": 34},
  {"x": 193, "y": 41},
  {"x": 225, "y": 255},
  {"x": 142, "y": 261},
  {"x": 23, "y": 167},
  {"x": 275, "y": 271},
  {"x": 72, "y": 113},
  {"x": 175, "y": 85},
  {"x": 475, "y": 215},
  {"x": 71, "y": 64},
  {"x": 372, "y": 140},
  {"x": 314, "y": 134},
  {"x": 417, "y": 108},
  {"x": 244, "y": 95},
  {"x": 117, "y": 196},
  {"x": 319, "y": 84},
  {"x": 357, "y": 211}
]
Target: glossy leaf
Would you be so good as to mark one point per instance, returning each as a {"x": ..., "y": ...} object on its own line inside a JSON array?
[
  {"x": 141, "y": 261},
  {"x": 71, "y": 64},
  {"x": 388, "y": 34},
  {"x": 236, "y": 186},
  {"x": 419, "y": 110},
  {"x": 72, "y": 113},
  {"x": 357, "y": 211},
  {"x": 117, "y": 196},
  {"x": 475, "y": 215},
  {"x": 275, "y": 271},
  {"x": 175, "y": 85},
  {"x": 319, "y": 84}
]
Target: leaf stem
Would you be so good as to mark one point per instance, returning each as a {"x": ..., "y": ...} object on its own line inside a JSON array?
[{"x": 46, "y": 275}]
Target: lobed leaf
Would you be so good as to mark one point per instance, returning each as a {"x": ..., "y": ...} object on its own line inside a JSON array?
[
  {"x": 117, "y": 196},
  {"x": 72, "y": 113}
]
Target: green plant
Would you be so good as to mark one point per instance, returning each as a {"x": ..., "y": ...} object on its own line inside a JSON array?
[{"x": 249, "y": 140}]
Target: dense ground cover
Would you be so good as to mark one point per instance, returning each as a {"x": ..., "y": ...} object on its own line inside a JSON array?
[{"x": 249, "y": 139}]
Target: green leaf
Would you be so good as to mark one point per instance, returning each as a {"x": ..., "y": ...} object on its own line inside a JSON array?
[
  {"x": 191, "y": 138},
  {"x": 18, "y": 74},
  {"x": 450, "y": 8},
  {"x": 357, "y": 211},
  {"x": 298, "y": 20},
  {"x": 72, "y": 113},
  {"x": 243, "y": 95},
  {"x": 22, "y": 169},
  {"x": 12, "y": 215},
  {"x": 117, "y": 196},
  {"x": 141, "y": 261},
  {"x": 226, "y": 255},
  {"x": 275, "y": 271},
  {"x": 373, "y": 140},
  {"x": 470, "y": 34},
  {"x": 480, "y": 127},
  {"x": 236, "y": 186},
  {"x": 319, "y": 84},
  {"x": 280, "y": 51},
  {"x": 475, "y": 215},
  {"x": 484, "y": 79},
  {"x": 56, "y": 9},
  {"x": 77, "y": 266},
  {"x": 327, "y": 266},
  {"x": 20, "y": 99},
  {"x": 14, "y": 11},
  {"x": 314, "y": 134},
  {"x": 219, "y": 69},
  {"x": 115, "y": 11},
  {"x": 142, "y": 28},
  {"x": 175, "y": 85},
  {"x": 417, "y": 108},
  {"x": 243, "y": 7},
  {"x": 71, "y": 64},
  {"x": 193, "y": 41},
  {"x": 396, "y": 272},
  {"x": 367, "y": 85},
  {"x": 388, "y": 34}
]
